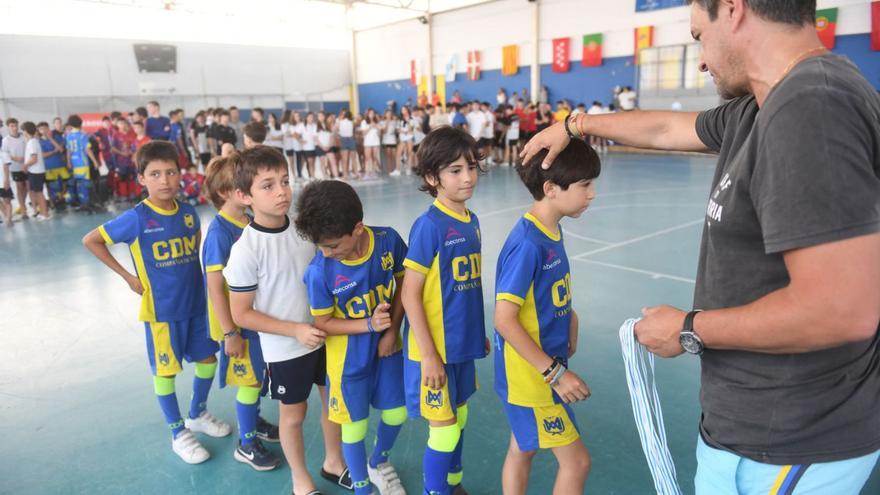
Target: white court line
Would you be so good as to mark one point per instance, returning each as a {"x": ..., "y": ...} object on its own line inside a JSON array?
[
  {"x": 569, "y": 233},
  {"x": 638, "y": 239},
  {"x": 655, "y": 275}
]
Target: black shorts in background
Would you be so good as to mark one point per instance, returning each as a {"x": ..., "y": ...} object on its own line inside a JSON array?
[
  {"x": 36, "y": 181},
  {"x": 291, "y": 381},
  {"x": 19, "y": 176},
  {"x": 6, "y": 193}
]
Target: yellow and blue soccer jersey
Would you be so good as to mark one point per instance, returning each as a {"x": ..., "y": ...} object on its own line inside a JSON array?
[
  {"x": 164, "y": 247},
  {"x": 445, "y": 246},
  {"x": 216, "y": 246},
  {"x": 532, "y": 273},
  {"x": 351, "y": 290},
  {"x": 78, "y": 144}
]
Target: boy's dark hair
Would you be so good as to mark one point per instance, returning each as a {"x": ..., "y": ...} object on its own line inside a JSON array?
[
  {"x": 11, "y": 120},
  {"x": 153, "y": 102},
  {"x": 74, "y": 121},
  {"x": 575, "y": 163},
  {"x": 115, "y": 115},
  {"x": 256, "y": 131},
  {"x": 29, "y": 127},
  {"x": 441, "y": 147},
  {"x": 219, "y": 178},
  {"x": 327, "y": 209},
  {"x": 248, "y": 163},
  {"x": 141, "y": 111},
  {"x": 105, "y": 118},
  {"x": 796, "y": 12},
  {"x": 155, "y": 151},
  {"x": 42, "y": 124}
]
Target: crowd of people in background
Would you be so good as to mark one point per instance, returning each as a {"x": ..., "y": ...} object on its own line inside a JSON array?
[{"x": 52, "y": 168}]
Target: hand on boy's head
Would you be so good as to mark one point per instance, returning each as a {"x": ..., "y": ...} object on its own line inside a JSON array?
[{"x": 554, "y": 139}]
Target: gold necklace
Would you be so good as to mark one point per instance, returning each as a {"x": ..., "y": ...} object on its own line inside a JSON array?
[{"x": 800, "y": 58}]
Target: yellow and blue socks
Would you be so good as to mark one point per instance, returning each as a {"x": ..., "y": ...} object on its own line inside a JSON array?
[
  {"x": 386, "y": 434},
  {"x": 438, "y": 457},
  {"x": 164, "y": 388},
  {"x": 456, "y": 473},
  {"x": 247, "y": 402},
  {"x": 201, "y": 386},
  {"x": 355, "y": 454}
]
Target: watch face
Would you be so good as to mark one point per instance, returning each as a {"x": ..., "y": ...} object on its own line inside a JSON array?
[{"x": 690, "y": 343}]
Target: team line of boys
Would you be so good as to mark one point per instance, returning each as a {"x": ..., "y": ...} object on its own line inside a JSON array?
[{"x": 322, "y": 301}]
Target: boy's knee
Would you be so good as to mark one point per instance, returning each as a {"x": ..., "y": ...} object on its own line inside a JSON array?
[
  {"x": 394, "y": 417},
  {"x": 354, "y": 432},
  {"x": 444, "y": 438}
]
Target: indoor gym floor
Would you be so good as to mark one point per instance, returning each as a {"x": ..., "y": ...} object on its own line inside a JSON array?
[{"x": 78, "y": 414}]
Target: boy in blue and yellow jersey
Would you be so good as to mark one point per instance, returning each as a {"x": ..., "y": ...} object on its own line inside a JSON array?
[
  {"x": 163, "y": 237},
  {"x": 352, "y": 286},
  {"x": 57, "y": 174},
  {"x": 241, "y": 357},
  {"x": 443, "y": 296},
  {"x": 536, "y": 326},
  {"x": 79, "y": 152}
]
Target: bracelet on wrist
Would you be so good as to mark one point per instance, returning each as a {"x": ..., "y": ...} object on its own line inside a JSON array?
[
  {"x": 370, "y": 326},
  {"x": 556, "y": 378},
  {"x": 230, "y": 333}
]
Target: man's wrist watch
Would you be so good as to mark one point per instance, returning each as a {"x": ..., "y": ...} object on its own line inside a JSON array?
[{"x": 690, "y": 341}]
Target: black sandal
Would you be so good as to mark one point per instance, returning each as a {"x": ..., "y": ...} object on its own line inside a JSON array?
[{"x": 343, "y": 479}]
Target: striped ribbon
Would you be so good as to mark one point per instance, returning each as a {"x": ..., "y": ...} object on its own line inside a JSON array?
[{"x": 639, "y": 365}]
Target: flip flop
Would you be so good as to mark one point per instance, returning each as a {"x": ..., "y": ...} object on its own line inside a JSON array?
[{"x": 343, "y": 479}]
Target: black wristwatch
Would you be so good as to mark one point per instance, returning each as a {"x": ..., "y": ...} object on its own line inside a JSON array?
[{"x": 689, "y": 340}]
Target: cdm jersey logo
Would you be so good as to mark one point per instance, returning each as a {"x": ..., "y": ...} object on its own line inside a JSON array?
[
  {"x": 164, "y": 360},
  {"x": 554, "y": 425},
  {"x": 387, "y": 261},
  {"x": 434, "y": 400},
  {"x": 177, "y": 247}
]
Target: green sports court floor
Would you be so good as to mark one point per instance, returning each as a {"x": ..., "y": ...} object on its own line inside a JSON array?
[{"x": 77, "y": 412}]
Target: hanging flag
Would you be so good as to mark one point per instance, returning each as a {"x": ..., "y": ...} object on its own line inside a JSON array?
[
  {"x": 440, "y": 90},
  {"x": 413, "y": 72},
  {"x": 423, "y": 86},
  {"x": 644, "y": 38},
  {"x": 473, "y": 65},
  {"x": 875, "y": 26},
  {"x": 561, "y": 48},
  {"x": 509, "y": 60},
  {"x": 592, "y": 50},
  {"x": 450, "y": 68},
  {"x": 826, "y": 26}
]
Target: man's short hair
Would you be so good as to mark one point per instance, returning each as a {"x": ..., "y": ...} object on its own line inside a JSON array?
[
  {"x": 155, "y": 151},
  {"x": 42, "y": 124},
  {"x": 441, "y": 147},
  {"x": 141, "y": 111},
  {"x": 248, "y": 163},
  {"x": 797, "y": 12},
  {"x": 74, "y": 121},
  {"x": 11, "y": 120},
  {"x": 328, "y": 209},
  {"x": 256, "y": 131},
  {"x": 219, "y": 178},
  {"x": 577, "y": 162},
  {"x": 153, "y": 102}
]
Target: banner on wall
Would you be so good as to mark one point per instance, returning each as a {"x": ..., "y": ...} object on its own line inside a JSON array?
[
  {"x": 473, "y": 65},
  {"x": 92, "y": 121},
  {"x": 509, "y": 60},
  {"x": 592, "y": 56},
  {"x": 646, "y": 5},
  {"x": 826, "y": 26},
  {"x": 423, "y": 86},
  {"x": 644, "y": 38},
  {"x": 561, "y": 49},
  {"x": 413, "y": 72},
  {"x": 450, "y": 68},
  {"x": 875, "y": 26}
]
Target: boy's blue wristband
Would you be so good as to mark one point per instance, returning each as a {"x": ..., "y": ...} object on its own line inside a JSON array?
[{"x": 370, "y": 325}]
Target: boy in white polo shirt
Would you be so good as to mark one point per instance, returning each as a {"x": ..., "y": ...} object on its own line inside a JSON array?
[{"x": 267, "y": 294}]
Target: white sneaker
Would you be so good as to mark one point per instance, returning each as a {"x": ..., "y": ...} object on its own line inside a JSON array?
[
  {"x": 209, "y": 425},
  {"x": 395, "y": 173},
  {"x": 384, "y": 477},
  {"x": 188, "y": 448},
  {"x": 41, "y": 218}
]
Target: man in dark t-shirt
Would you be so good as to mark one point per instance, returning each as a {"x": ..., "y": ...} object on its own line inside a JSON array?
[
  {"x": 222, "y": 133},
  {"x": 790, "y": 256}
]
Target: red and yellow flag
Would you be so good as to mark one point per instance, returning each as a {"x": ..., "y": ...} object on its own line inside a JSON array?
[
  {"x": 509, "y": 60},
  {"x": 826, "y": 26},
  {"x": 644, "y": 38},
  {"x": 592, "y": 50},
  {"x": 875, "y": 26}
]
